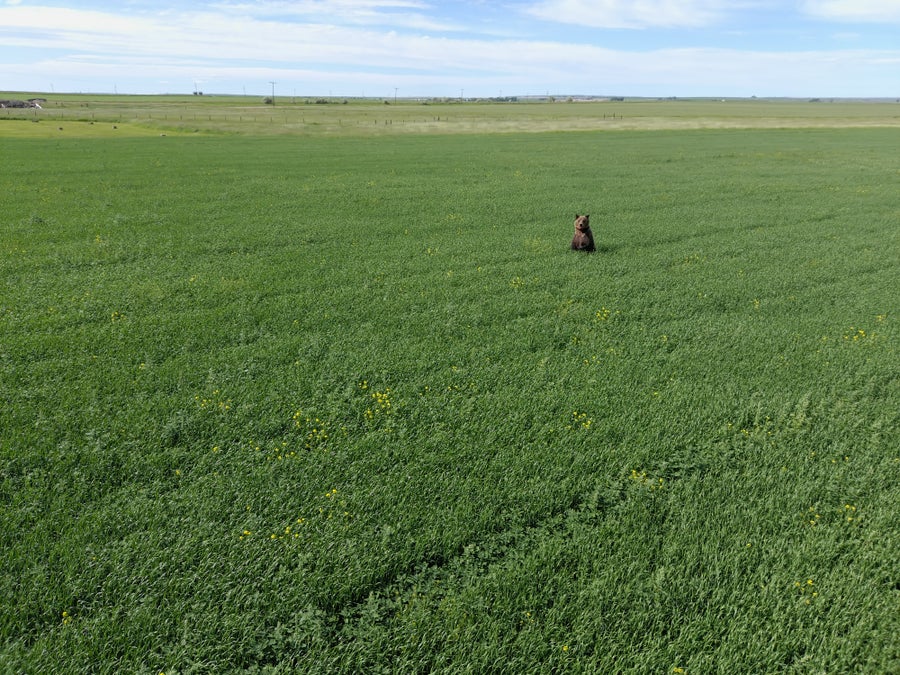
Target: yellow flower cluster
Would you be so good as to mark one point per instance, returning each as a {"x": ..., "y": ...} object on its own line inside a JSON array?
[
  {"x": 314, "y": 429},
  {"x": 333, "y": 511},
  {"x": 383, "y": 405},
  {"x": 382, "y": 399},
  {"x": 807, "y": 590},
  {"x": 813, "y": 516},
  {"x": 605, "y": 314},
  {"x": 856, "y": 336},
  {"x": 335, "y": 502},
  {"x": 214, "y": 402},
  {"x": 580, "y": 420},
  {"x": 640, "y": 477},
  {"x": 847, "y": 513},
  {"x": 278, "y": 452},
  {"x": 288, "y": 532},
  {"x": 758, "y": 429}
]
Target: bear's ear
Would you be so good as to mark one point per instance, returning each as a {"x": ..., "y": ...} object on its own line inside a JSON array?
[{"x": 577, "y": 216}]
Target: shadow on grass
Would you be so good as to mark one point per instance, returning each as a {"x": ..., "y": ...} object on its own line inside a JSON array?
[{"x": 602, "y": 248}]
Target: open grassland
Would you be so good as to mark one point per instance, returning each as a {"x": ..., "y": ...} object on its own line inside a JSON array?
[
  {"x": 350, "y": 404},
  {"x": 73, "y": 115}
]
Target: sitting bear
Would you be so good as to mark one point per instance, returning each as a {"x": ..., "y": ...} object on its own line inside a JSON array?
[{"x": 583, "y": 239}]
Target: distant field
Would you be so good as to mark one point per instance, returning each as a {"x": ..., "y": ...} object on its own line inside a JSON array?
[
  {"x": 141, "y": 115},
  {"x": 348, "y": 404}
]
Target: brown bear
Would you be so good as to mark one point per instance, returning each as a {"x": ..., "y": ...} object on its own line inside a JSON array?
[{"x": 583, "y": 239}]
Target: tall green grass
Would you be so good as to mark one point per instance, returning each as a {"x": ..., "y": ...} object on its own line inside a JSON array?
[{"x": 350, "y": 405}]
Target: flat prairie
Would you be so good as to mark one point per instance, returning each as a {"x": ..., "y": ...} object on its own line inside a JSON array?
[
  {"x": 93, "y": 116},
  {"x": 308, "y": 396}
]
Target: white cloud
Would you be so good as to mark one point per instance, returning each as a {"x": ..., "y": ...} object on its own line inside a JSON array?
[
  {"x": 318, "y": 6},
  {"x": 630, "y": 13},
  {"x": 37, "y": 19},
  {"x": 230, "y": 48},
  {"x": 398, "y": 13},
  {"x": 887, "y": 11}
]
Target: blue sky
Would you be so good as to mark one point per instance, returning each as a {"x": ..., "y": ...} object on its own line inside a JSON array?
[{"x": 804, "y": 48}]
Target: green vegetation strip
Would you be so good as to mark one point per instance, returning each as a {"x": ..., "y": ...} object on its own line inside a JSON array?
[
  {"x": 350, "y": 404},
  {"x": 68, "y": 116}
]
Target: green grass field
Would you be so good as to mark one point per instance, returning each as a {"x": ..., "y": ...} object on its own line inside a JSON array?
[
  {"x": 71, "y": 115},
  {"x": 314, "y": 403}
]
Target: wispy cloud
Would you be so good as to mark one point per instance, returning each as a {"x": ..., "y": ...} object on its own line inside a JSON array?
[
  {"x": 630, "y": 13},
  {"x": 423, "y": 47},
  {"x": 866, "y": 11},
  {"x": 410, "y": 14},
  {"x": 211, "y": 38}
]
